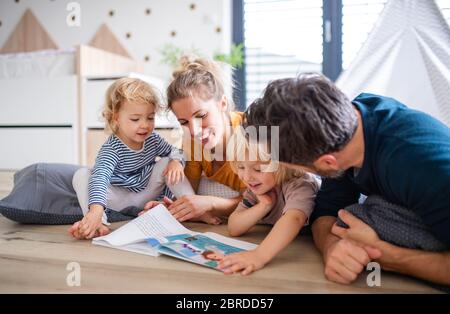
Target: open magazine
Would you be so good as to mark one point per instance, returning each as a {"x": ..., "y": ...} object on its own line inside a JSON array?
[{"x": 158, "y": 232}]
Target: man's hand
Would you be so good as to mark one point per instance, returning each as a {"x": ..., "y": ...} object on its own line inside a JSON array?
[
  {"x": 346, "y": 258},
  {"x": 357, "y": 230}
]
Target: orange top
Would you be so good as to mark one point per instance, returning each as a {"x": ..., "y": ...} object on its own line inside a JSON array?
[{"x": 224, "y": 174}]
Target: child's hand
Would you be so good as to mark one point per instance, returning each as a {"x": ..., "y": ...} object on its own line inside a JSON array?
[
  {"x": 247, "y": 262},
  {"x": 74, "y": 231},
  {"x": 174, "y": 172},
  {"x": 268, "y": 199},
  {"x": 91, "y": 222}
]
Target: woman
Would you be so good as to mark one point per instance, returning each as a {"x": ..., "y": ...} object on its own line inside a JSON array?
[{"x": 197, "y": 97}]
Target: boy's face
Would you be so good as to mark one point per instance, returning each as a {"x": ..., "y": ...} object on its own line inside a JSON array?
[
  {"x": 205, "y": 119},
  {"x": 136, "y": 122},
  {"x": 255, "y": 178}
]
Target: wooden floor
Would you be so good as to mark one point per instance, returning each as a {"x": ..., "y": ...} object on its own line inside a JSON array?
[{"x": 34, "y": 258}]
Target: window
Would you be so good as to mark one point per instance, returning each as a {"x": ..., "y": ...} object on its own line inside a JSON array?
[{"x": 283, "y": 38}]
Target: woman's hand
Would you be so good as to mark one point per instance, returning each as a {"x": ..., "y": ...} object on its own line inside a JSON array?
[
  {"x": 190, "y": 206},
  {"x": 174, "y": 172},
  {"x": 149, "y": 205},
  {"x": 247, "y": 262}
]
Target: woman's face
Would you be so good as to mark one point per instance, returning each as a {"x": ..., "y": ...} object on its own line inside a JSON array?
[{"x": 206, "y": 120}]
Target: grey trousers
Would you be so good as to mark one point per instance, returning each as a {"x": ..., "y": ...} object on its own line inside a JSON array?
[{"x": 395, "y": 224}]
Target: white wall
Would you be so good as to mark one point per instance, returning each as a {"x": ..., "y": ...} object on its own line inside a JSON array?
[{"x": 149, "y": 33}]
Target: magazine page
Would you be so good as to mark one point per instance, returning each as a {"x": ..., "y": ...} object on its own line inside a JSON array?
[
  {"x": 231, "y": 241},
  {"x": 198, "y": 248},
  {"x": 155, "y": 223}
]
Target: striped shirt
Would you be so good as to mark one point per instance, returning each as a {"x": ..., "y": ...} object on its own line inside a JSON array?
[{"x": 118, "y": 165}]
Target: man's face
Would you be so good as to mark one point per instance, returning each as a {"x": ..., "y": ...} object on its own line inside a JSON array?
[{"x": 315, "y": 168}]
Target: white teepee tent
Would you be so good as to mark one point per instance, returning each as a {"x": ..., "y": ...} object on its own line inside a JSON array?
[{"x": 407, "y": 57}]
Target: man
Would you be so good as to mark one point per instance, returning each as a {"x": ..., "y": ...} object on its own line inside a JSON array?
[{"x": 372, "y": 146}]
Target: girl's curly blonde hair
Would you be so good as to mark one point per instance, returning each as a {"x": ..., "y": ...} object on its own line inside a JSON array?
[{"x": 128, "y": 89}]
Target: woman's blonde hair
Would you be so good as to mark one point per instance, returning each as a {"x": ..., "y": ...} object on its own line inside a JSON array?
[
  {"x": 245, "y": 149},
  {"x": 127, "y": 89},
  {"x": 199, "y": 77}
]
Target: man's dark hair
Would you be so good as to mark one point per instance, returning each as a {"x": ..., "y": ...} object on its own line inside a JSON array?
[{"x": 313, "y": 115}]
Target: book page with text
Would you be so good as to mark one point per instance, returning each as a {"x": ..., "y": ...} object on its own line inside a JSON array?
[{"x": 155, "y": 223}]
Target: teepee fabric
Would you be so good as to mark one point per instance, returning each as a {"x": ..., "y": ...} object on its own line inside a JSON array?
[{"x": 407, "y": 57}]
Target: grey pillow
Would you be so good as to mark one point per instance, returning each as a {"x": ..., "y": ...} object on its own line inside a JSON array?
[{"x": 43, "y": 194}]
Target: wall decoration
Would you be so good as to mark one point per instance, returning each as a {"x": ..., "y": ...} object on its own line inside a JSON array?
[
  {"x": 150, "y": 24},
  {"x": 105, "y": 39},
  {"x": 28, "y": 35}
]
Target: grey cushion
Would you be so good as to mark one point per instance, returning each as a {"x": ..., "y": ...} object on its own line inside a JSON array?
[
  {"x": 211, "y": 187},
  {"x": 43, "y": 194}
]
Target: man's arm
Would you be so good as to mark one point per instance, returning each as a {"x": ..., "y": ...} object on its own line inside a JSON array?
[
  {"x": 321, "y": 230},
  {"x": 431, "y": 266}
]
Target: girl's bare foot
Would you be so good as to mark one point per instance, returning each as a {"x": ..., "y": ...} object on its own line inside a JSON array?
[{"x": 102, "y": 231}]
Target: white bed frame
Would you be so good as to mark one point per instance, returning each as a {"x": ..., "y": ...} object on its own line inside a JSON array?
[
  {"x": 45, "y": 119},
  {"x": 56, "y": 118}
]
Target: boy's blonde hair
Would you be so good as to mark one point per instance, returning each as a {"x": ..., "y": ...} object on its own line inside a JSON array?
[
  {"x": 199, "y": 77},
  {"x": 242, "y": 148},
  {"x": 127, "y": 89}
]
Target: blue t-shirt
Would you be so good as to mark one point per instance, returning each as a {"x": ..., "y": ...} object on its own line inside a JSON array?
[{"x": 406, "y": 161}]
